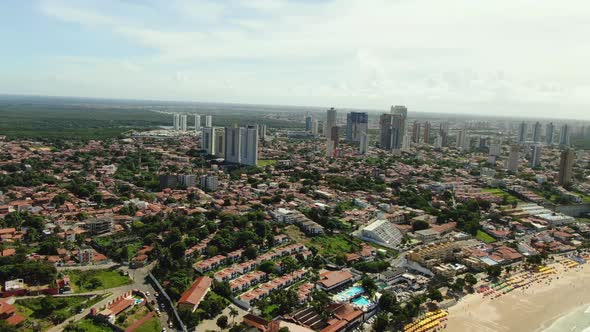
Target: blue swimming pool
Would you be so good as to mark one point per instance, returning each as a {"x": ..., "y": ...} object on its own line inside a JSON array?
[
  {"x": 361, "y": 301},
  {"x": 349, "y": 293}
]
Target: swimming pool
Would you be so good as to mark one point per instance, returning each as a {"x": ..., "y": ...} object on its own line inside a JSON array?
[
  {"x": 361, "y": 301},
  {"x": 349, "y": 293}
]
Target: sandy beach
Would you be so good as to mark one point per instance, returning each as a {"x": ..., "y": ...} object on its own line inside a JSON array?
[{"x": 533, "y": 309}]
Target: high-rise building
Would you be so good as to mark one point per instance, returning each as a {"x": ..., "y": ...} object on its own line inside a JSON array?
[
  {"x": 522, "y": 132},
  {"x": 495, "y": 149},
  {"x": 208, "y": 120},
  {"x": 315, "y": 128},
  {"x": 208, "y": 140},
  {"x": 332, "y": 144},
  {"x": 427, "y": 129},
  {"x": 564, "y": 135},
  {"x": 241, "y": 145},
  {"x": 537, "y": 132},
  {"x": 308, "y": 122},
  {"x": 513, "y": 158},
  {"x": 183, "y": 122},
  {"x": 536, "y": 156},
  {"x": 444, "y": 133},
  {"x": 566, "y": 165},
  {"x": 462, "y": 140},
  {"x": 356, "y": 123},
  {"x": 262, "y": 132},
  {"x": 393, "y": 128},
  {"x": 438, "y": 141},
  {"x": 176, "y": 122},
  {"x": 416, "y": 132},
  {"x": 330, "y": 121},
  {"x": 209, "y": 182},
  {"x": 197, "y": 122},
  {"x": 219, "y": 137},
  {"x": 364, "y": 143},
  {"x": 549, "y": 133}
]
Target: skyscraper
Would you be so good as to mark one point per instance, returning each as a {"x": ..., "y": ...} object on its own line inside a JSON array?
[
  {"x": 564, "y": 135},
  {"x": 241, "y": 145},
  {"x": 315, "y": 127},
  {"x": 536, "y": 156},
  {"x": 330, "y": 121},
  {"x": 364, "y": 143},
  {"x": 262, "y": 132},
  {"x": 549, "y": 133},
  {"x": 176, "y": 122},
  {"x": 416, "y": 132},
  {"x": 513, "y": 157},
  {"x": 427, "y": 132},
  {"x": 208, "y": 140},
  {"x": 391, "y": 136},
  {"x": 393, "y": 128},
  {"x": 308, "y": 122},
  {"x": 444, "y": 133},
  {"x": 330, "y": 124},
  {"x": 462, "y": 140},
  {"x": 208, "y": 120},
  {"x": 566, "y": 164},
  {"x": 332, "y": 144},
  {"x": 183, "y": 122},
  {"x": 197, "y": 122},
  {"x": 356, "y": 123},
  {"x": 219, "y": 138},
  {"x": 537, "y": 132},
  {"x": 522, "y": 132}
]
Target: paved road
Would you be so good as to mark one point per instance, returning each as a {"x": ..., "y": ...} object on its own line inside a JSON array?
[{"x": 88, "y": 267}]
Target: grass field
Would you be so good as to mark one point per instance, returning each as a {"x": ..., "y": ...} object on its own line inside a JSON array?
[
  {"x": 501, "y": 193},
  {"x": 266, "y": 162},
  {"x": 152, "y": 325},
  {"x": 296, "y": 234},
  {"x": 34, "y": 309},
  {"x": 484, "y": 237},
  {"x": 334, "y": 244},
  {"x": 87, "y": 281}
]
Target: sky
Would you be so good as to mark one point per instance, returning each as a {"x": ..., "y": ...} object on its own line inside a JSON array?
[{"x": 500, "y": 57}]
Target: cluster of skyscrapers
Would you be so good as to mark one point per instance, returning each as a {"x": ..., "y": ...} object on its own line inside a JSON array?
[
  {"x": 522, "y": 135},
  {"x": 180, "y": 122}
]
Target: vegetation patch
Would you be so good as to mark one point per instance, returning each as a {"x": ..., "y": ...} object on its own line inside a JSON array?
[{"x": 87, "y": 281}]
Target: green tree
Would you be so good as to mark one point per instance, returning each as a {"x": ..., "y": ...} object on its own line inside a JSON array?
[{"x": 222, "y": 322}]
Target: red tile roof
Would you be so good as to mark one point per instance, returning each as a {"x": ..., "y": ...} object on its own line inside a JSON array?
[{"x": 196, "y": 292}]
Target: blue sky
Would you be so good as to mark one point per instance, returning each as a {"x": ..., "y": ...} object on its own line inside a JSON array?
[{"x": 521, "y": 57}]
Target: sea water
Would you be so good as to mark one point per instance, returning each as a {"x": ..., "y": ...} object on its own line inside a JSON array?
[{"x": 576, "y": 321}]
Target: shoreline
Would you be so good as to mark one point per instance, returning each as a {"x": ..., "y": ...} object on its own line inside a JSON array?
[{"x": 528, "y": 310}]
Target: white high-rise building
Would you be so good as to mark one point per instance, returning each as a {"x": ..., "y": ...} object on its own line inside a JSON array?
[
  {"x": 197, "y": 122},
  {"x": 183, "y": 122},
  {"x": 462, "y": 139},
  {"x": 363, "y": 143},
  {"x": 315, "y": 127},
  {"x": 208, "y": 121},
  {"x": 241, "y": 145},
  {"x": 208, "y": 140},
  {"x": 495, "y": 149},
  {"x": 438, "y": 141},
  {"x": 209, "y": 182},
  {"x": 262, "y": 132}
]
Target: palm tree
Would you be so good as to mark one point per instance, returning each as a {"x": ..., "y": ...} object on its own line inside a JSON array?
[{"x": 233, "y": 313}]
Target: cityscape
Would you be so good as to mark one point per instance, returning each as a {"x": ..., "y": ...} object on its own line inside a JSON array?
[{"x": 294, "y": 166}]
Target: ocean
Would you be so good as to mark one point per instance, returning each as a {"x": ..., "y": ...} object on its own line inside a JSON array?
[{"x": 575, "y": 321}]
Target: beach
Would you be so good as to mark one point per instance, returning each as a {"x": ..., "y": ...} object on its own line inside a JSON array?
[{"x": 534, "y": 309}]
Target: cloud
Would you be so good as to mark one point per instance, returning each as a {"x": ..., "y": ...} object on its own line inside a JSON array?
[{"x": 360, "y": 52}]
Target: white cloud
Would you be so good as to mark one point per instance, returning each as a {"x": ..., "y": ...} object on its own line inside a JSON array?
[{"x": 360, "y": 52}]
